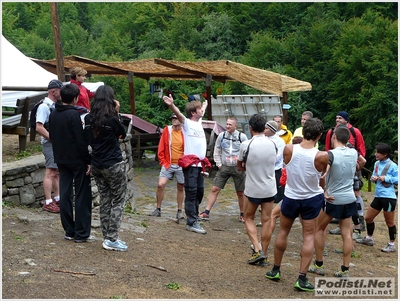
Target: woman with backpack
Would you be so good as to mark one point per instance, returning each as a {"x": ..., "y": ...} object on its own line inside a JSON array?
[{"x": 385, "y": 175}]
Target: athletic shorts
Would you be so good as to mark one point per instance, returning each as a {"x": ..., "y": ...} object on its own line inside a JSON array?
[
  {"x": 225, "y": 172},
  {"x": 259, "y": 201},
  {"x": 169, "y": 173},
  {"x": 307, "y": 209},
  {"x": 47, "y": 149},
  {"x": 387, "y": 204},
  {"x": 340, "y": 211}
]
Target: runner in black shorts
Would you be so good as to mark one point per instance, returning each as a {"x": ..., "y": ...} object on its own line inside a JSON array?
[{"x": 385, "y": 175}]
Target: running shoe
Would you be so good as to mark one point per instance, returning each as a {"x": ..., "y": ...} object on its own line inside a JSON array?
[
  {"x": 389, "y": 248},
  {"x": 316, "y": 269},
  {"x": 304, "y": 285},
  {"x": 273, "y": 275},
  {"x": 342, "y": 274},
  {"x": 256, "y": 257},
  {"x": 264, "y": 262},
  {"x": 156, "y": 212},
  {"x": 196, "y": 228},
  {"x": 365, "y": 241},
  {"x": 356, "y": 235},
  {"x": 335, "y": 231}
]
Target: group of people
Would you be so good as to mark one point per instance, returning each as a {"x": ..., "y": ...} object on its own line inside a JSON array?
[
  {"x": 318, "y": 185},
  {"x": 66, "y": 137}
]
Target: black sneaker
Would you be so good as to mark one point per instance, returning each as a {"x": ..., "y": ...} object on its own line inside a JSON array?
[
  {"x": 273, "y": 275},
  {"x": 304, "y": 285}
]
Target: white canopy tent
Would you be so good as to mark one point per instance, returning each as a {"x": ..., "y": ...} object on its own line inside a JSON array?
[{"x": 18, "y": 70}]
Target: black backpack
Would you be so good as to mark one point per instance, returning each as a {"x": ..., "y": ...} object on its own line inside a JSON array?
[
  {"x": 32, "y": 119},
  {"x": 240, "y": 137}
]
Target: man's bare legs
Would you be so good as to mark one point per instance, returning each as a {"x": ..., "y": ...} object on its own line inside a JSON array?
[
  {"x": 162, "y": 182},
  {"x": 281, "y": 239},
  {"x": 179, "y": 195},
  {"x": 346, "y": 232},
  {"x": 51, "y": 182},
  {"x": 212, "y": 197},
  {"x": 307, "y": 249},
  {"x": 266, "y": 209},
  {"x": 275, "y": 214},
  {"x": 320, "y": 234},
  {"x": 160, "y": 190},
  {"x": 250, "y": 210},
  {"x": 240, "y": 195}
]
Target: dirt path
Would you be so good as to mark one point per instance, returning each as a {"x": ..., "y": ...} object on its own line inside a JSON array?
[{"x": 163, "y": 255}]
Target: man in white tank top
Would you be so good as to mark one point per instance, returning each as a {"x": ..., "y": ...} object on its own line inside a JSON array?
[{"x": 304, "y": 197}]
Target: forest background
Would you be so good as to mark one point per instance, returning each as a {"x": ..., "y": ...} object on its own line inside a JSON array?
[{"x": 347, "y": 51}]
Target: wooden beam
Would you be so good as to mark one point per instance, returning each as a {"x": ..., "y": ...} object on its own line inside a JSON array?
[
  {"x": 15, "y": 88},
  {"x": 57, "y": 41},
  {"x": 131, "y": 93},
  {"x": 285, "y": 117},
  {"x": 208, "y": 90}
]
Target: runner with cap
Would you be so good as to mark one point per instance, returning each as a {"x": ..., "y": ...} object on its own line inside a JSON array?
[{"x": 170, "y": 149}]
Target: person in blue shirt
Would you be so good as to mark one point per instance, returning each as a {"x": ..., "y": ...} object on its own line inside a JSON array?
[{"x": 385, "y": 175}]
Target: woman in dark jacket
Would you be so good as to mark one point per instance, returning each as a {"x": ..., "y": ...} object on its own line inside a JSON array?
[{"x": 103, "y": 129}]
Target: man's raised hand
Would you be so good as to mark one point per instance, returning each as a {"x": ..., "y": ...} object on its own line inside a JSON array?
[{"x": 168, "y": 100}]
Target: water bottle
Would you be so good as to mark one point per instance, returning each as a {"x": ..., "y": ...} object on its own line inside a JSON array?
[{"x": 356, "y": 184}]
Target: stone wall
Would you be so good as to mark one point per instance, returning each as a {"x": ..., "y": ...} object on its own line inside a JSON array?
[{"x": 22, "y": 181}]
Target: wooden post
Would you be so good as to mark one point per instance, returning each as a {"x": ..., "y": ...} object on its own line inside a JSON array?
[
  {"x": 57, "y": 41},
  {"x": 208, "y": 90},
  {"x": 131, "y": 93},
  {"x": 285, "y": 112}
]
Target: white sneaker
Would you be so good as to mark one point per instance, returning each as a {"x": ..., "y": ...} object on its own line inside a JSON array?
[
  {"x": 196, "y": 228},
  {"x": 356, "y": 235},
  {"x": 389, "y": 248},
  {"x": 335, "y": 231}
]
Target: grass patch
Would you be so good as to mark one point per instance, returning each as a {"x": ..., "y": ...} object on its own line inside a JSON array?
[
  {"x": 173, "y": 286},
  {"x": 128, "y": 209},
  {"x": 143, "y": 224}
]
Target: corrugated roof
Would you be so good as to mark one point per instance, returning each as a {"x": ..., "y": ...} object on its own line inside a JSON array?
[{"x": 221, "y": 70}]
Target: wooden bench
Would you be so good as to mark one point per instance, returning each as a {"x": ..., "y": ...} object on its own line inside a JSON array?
[
  {"x": 18, "y": 121},
  {"x": 144, "y": 141}
]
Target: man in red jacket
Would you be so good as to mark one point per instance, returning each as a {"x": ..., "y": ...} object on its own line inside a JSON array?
[
  {"x": 357, "y": 141},
  {"x": 78, "y": 76},
  {"x": 356, "y": 138},
  {"x": 170, "y": 149}
]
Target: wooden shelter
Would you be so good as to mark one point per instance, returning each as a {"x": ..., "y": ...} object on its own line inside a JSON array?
[{"x": 221, "y": 70}]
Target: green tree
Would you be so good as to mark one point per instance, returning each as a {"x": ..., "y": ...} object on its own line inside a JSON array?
[{"x": 366, "y": 81}]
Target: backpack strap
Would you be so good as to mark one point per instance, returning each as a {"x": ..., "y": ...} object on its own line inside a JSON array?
[
  {"x": 353, "y": 132},
  {"x": 384, "y": 172},
  {"x": 246, "y": 154}
]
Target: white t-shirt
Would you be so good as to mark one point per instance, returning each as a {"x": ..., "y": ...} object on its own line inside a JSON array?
[
  {"x": 43, "y": 114},
  {"x": 194, "y": 138},
  {"x": 280, "y": 146},
  {"x": 260, "y": 167}
]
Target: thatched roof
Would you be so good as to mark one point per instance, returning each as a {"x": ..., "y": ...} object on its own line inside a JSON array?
[{"x": 222, "y": 71}]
